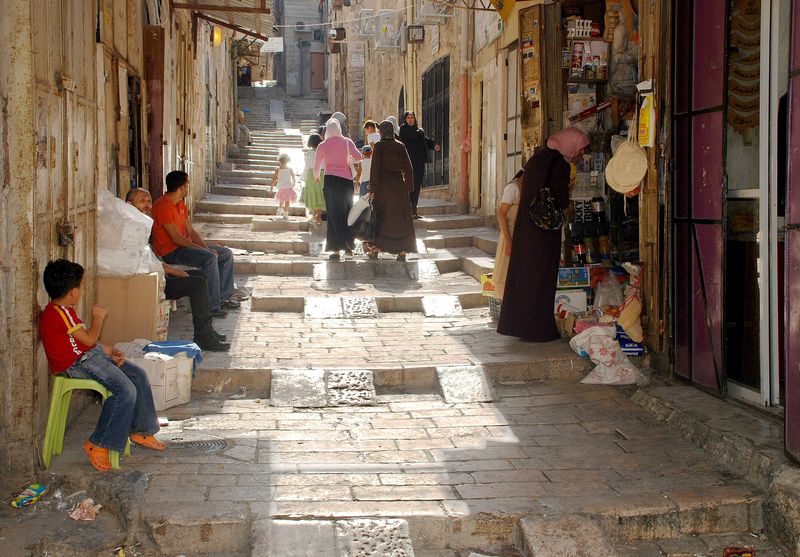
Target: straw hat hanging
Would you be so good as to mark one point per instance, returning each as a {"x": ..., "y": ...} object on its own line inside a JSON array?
[{"x": 628, "y": 167}]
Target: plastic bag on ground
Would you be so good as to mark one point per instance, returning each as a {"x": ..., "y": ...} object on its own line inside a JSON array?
[
  {"x": 580, "y": 343},
  {"x": 123, "y": 247},
  {"x": 613, "y": 366}
]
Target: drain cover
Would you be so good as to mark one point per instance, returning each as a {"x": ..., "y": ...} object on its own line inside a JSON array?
[{"x": 210, "y": 446}]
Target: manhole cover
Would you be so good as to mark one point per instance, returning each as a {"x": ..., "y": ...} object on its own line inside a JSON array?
[{"x": 210, "y": 446}]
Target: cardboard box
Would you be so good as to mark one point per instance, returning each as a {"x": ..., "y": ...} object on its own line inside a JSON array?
[
  {"x": 573, "y": 277},
  {"x": 573, "y": 301},
  {"x": 135, "y": 308},
  {"x": 170, "y": 380},
  {"x": 566, "y": 324}
]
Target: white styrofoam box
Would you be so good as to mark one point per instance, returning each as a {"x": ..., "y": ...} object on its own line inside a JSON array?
[{"x": 170, "y": 379}]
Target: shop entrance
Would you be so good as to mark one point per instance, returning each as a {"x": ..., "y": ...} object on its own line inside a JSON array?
[
  {"x": 757, "y": 81},
  {"x": 729, "y": 196}
]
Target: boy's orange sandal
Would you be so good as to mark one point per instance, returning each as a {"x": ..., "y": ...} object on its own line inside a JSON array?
[
  {"x": 148, "y": 442},
  {"x": 98, "y": 456}
]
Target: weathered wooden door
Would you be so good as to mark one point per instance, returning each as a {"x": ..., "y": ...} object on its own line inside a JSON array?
[
  {"x": 699, "y": 191},
  {"x": 154, "y": 79},
  {"x": 793, "y": 246},
  {"x": 317, "y": 71}
]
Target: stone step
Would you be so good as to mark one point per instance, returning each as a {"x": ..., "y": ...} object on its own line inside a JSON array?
[
  {"x": 246, "y": 190},
  {"x": 332, "y": 538},
  {"x": 245, "y": 179},
  {"x": 256, "y": 165},
  {"x": 450, "y": 222},
  {"x": 278, "y": 224},
  {"x": 435, "y": 207},
  {"x": 306, "y": 266},
  {"x": 220, "y": 372},
  {"x": 603, "y": 523},
  {"x": 356, "y": 306},
  {"x": 221, "y": 218},
  {"x": 237, "y": 173},
  {"x": 228, "y": 204},
  {"x": 204, "y": 527},
  {"x": 484, "y": 239},
  {"x": 297, "y": 245}
]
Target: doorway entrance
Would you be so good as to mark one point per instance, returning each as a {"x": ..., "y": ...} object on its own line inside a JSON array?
[
  {"x": 729, "y": 197},
  {"x": 317, "y": 71}
]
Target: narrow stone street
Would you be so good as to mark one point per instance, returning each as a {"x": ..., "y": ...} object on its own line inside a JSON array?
[{"x": 368, "y": 408}]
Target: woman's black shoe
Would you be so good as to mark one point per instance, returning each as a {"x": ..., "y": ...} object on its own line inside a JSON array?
[
  {"x": 230, "y": 304},
  {"x": 218, "y": 313},
  {"x": 220, "y": 336}
]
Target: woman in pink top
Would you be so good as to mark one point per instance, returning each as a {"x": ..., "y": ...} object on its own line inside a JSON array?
[{"x": 334, "y": 153}]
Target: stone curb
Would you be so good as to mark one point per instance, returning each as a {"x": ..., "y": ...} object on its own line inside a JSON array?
[{"x": 771, "y": 472}]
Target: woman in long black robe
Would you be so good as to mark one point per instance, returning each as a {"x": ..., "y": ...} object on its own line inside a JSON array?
[{"x": 529, "y": 299}]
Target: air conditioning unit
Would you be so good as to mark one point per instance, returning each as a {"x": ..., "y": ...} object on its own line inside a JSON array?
[
  {"x": 433, "y": 12},
  {"x": 387, "y": 35},
  {"x": 301, "y": 27},
  {"x": 367, "y": 24}
]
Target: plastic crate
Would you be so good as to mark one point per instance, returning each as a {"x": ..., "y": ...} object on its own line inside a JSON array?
[{"x": 494, "y": 308}]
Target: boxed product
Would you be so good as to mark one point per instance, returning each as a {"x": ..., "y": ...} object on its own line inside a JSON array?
[
  {"x": 573, "y": 301},
  {"x": 487, "y": 285},
  {"x": 573, "y": 277},
  {"x": 629, "y": 346},
  {"x": 170, "y": 378}
]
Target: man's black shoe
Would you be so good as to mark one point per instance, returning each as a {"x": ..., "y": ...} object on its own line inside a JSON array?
[
  {"x": 220, "y": 336},
  {"x": 213, "y": 345},
  {"x": 230, "y": 304},
  {"x": 218, "y": 313}
]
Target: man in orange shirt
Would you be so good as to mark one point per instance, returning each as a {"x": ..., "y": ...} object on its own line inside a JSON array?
[{"x": 176, "y": 242}]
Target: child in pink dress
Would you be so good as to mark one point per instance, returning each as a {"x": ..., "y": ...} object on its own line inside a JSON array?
[{"x": 285, "y": 180}]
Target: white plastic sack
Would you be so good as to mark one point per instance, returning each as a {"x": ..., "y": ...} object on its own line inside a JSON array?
[
  {"x": 580, "y": 342},
  {"x": 609, "y": 292},
  {"x": 613, "y": 366},
  {"x": 358, "y": 208},
  {"x": 123, "y": 247}
]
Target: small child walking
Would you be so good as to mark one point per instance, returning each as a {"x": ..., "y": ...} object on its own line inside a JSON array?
[
  {"x": 72, "y": 351},
  {"x": 362, "y": 177},
  {"x": 312, "y": 192},
  {"x": 285, "y": 180}
]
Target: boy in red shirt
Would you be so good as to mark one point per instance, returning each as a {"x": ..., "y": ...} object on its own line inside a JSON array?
[{"x": 72, "y": 349}]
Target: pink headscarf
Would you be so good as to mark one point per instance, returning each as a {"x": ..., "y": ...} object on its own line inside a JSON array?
[{"x": 568, "y": 142}]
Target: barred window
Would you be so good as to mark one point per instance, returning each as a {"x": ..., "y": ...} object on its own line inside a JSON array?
[{"x": 436, "y": 120}]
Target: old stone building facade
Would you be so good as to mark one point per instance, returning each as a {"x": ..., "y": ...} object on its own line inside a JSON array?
[{"x": 99, "y": 95}]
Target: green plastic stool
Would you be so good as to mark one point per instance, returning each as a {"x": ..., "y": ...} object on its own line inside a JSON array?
[{"x": 60, "y": 397}]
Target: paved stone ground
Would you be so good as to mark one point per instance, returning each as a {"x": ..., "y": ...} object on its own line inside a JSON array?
[
  {"x": 398, "y": 341},
  {"x": 544, "y": 466},
  {"x": 451, "y": 470}
]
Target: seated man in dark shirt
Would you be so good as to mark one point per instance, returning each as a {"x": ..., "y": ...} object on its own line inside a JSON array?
[{"x": 181, "y": 283}]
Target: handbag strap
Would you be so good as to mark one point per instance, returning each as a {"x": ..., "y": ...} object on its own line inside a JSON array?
[{"x": 549, "y": 173}]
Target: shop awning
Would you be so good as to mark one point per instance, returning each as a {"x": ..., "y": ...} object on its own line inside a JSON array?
[{"x": 252, "y": 18}]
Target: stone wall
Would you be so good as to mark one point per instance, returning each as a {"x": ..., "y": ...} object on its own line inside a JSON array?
[{"x": 297, "y": 59}]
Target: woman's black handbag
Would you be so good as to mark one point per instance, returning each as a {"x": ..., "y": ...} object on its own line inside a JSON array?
[
  {"x": 364, "y": 227},
  {"x": 544, "y": 212}
]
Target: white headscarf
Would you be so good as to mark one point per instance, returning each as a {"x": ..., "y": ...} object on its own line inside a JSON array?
[
  {"x": 393, "y": 120},
  {"x": 333, "y": 128}
]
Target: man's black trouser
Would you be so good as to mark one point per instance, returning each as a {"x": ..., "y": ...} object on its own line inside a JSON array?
[{"x": 196, "y": 287}]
